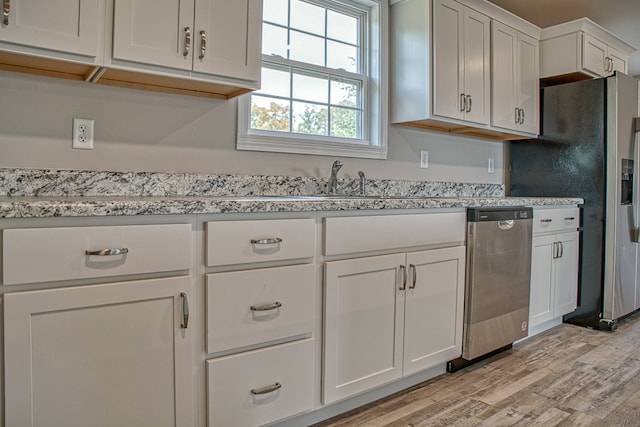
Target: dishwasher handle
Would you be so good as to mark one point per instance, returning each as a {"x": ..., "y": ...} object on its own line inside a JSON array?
[{"x": 506, "y": 224}]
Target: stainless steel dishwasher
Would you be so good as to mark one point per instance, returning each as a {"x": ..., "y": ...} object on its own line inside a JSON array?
[{"x": 496, "y": 311}]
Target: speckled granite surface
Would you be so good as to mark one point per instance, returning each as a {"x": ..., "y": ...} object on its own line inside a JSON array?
[{"x": 48, "y": 193}]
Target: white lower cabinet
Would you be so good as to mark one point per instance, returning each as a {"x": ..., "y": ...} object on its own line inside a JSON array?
[
  {"x": 554, "y": 265},
  {"x": 106, "y": 355},
  {"x": 261, "y": 386},
  {"x": 390, "y": 316}
]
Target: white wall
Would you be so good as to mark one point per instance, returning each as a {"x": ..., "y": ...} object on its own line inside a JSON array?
[{"x": 148, "y": 131}]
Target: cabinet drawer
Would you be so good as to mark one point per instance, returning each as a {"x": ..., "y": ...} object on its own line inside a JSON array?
[
  {"x": 370, "y": 233},
  {"x": 239, "y": 242},
  {"x": 252, "y": 307},
  {"x": 234, "y": 385},
  {"x": 552, "y": 220},
  {"x": 48, "y": 254}
]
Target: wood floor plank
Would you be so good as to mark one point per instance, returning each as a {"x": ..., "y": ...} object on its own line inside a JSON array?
[{"x": 568, "y": 376}]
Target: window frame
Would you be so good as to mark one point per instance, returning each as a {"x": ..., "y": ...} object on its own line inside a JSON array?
[{"x": 373, "y": 141}]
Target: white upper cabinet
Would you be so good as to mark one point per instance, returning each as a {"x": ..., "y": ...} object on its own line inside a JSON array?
[
  {"x": 212, "y": 37},
  {"x": 154, "y": 32},
  {"x": 581, "y": 47},
  {"x": 70, "y": 26},
  {"x": 441, "y": 63},
  {"x": 461, "y": 62},
  {"x": 515, "y": 88},
  {"x": 229, "y": 38}
]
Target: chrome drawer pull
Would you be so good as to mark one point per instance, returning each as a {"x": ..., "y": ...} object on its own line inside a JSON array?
[
  {"x": 185, "y": 310},
  {"x": 203, "y": 44},
  {"x": 267, "y": 389},
  {"x": 403, "y": 285},
  {"x": 6, "y": 9},
  {"x": 187, "y": 41},
  {"x": 415, "y": 276},
  {"x": 270, "y": 241},
  {"x": 546, "y": 220},
  {"x": 266, "y": 307},
  {"x": 108, "y": 252},
  {"x": 569, "y": 218}
]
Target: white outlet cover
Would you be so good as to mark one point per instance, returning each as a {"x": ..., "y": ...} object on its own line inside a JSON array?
[
  {"x": 83, "y": 133},
  {"x": 424, "y": 159},
  {"x": 491, "y": 165}
]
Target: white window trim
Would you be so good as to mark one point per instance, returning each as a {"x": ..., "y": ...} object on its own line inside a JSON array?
[{"x": 377, "y": 96}]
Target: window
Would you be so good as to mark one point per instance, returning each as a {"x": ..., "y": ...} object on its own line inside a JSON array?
[{"x": 323, "y": 80}]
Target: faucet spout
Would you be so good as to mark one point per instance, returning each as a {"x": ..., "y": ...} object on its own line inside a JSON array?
[
  {"x": 332, "y": 185},
  {"x": 363, "y": 184}
]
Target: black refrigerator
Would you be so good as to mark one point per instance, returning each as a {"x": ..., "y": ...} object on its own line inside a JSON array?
[{"x": 588, "y": 149}]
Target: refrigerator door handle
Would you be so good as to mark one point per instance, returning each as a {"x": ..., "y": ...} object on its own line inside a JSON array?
[{"x": 635, "y": 232}]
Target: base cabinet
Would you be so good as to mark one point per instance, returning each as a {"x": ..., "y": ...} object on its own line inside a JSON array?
[
  {"x": 554, "y": 265},
  {"x": 390, "y": 316},
  {"x": 99, "y": 355}
]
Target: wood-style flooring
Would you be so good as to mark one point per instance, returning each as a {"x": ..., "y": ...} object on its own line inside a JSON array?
[{"x": 567, "y": 376}]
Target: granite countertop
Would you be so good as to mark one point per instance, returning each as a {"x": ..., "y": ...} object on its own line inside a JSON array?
[{"x": 47, "y": 193}]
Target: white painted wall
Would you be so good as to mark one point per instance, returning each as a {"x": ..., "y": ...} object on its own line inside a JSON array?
[{"x": 148, "y": 131}]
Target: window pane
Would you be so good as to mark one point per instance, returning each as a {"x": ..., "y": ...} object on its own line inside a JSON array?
[
  {"x": 311, "y": 88},
  {"x": 306, "y": 48},
  {"x": 275, "y": 82},
  {"x": 342, "y": 27},
  {"x": 269, "y": 113},
  {"x": 275, "y": 11},
  {"x": 274, "y": 40},
  {"x": 344, "y": 123},
  {"x": 342, "y": 56},
  {"x": 345, "y": 93},
  {"x": 307, "y": 17},
  {"x": 310, "y": 118}
]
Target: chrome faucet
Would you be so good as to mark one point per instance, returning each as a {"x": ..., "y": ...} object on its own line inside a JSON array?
[
  {"x": 363, "y": 184},
  {"x": 332, "y": 185}
]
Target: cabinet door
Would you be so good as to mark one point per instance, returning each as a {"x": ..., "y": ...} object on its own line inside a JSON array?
[
  {"x": 619, "y": 60},
  {"x": 64, "y": 25},
  {"x": 448, "y": 59},
  {"x": 363, "y": 322},
  {"x": 100, "y": 355},
  {"x": 228, "y": 38},
  {"x": 528, "y": 91},
  {"x": 477, "y": 61},
  {"x": 541, "y": 298},
  {"x": 434, "y": 308},
  {"x": 566, "y": 274},
  {"x": 594, "y": 53},
  {"x": 504, "y": 72},
  {"x": 154, "y": 32}
]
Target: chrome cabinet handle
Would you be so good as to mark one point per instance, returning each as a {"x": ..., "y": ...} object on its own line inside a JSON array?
[
  {"x": 187, "y": 41},
  {"x": 561, "y": 247},
  {"x": 546, "y": 220},
  {"x": 266, "y": 307},
  {"x": 415, "y": 276},
  {"x": 267, "y": 389},
  {"x": 469, "y": 103},
  {"x": 403, "y": 285},
  {"x": 517, "y": 115},
  {"x": 203, "y": 44},
  {"x": 6, "y": 9},
  {"x": 185, "y": 310},
  {"x": 463, "y": 102},
  {"x": 108, "y": 252},
  {"x": 569, "y": 218},
  {"x": 555, "y": 250},
  {"x": 268, "y": 241},
  {"x": 522, "y": 117}
]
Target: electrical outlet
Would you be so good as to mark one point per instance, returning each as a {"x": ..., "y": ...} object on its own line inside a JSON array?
[
  {"x": 424, "y": 159},
  {"x": 83, "y": 133},
  {"x": 491, "y": 166}
]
